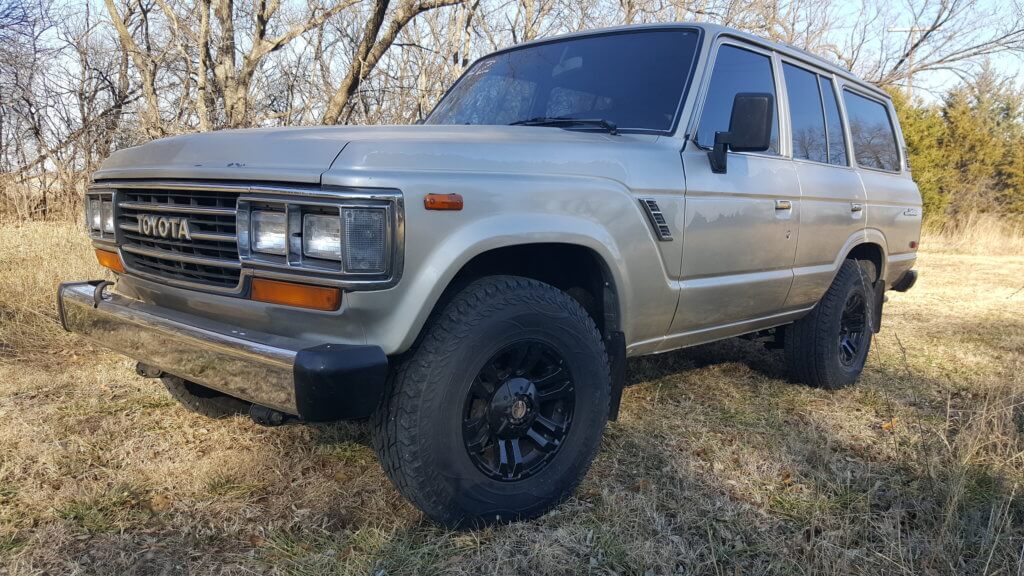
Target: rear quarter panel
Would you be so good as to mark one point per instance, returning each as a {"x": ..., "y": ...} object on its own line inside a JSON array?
[
  {"x": 893, "y": 206},
  {"x": 894, "y": 209}
]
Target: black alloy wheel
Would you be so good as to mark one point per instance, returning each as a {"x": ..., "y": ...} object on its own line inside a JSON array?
[
  {"x": 852, "y": 327},
  {"x": 828, "y": 347},
  {"x": 518, "y": 410},
  {"x": 497, "y": 411}
]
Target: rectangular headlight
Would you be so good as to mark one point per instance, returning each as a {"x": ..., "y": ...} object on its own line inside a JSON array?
[
  {"x": 321, "y": 236},
  {"x": 365, "y": 240},
  {"x": 269, "y": 232},
  {"x": 99, "y": 215},
  {"x": 107, "y": 215},
  {"x": 94, "y": 214}
]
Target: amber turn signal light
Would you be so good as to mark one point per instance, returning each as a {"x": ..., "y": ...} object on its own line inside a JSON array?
[
  {"x": 300, "y": 295},
  {"x": 110, "y": 260},
  {"x": 442, "y": 202}
]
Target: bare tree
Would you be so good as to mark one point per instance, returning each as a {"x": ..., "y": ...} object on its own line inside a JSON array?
[
  {"x": 889, "y": 46},
  {"x": 75, "y": 88},
  {"x": 373, "y": 45}
]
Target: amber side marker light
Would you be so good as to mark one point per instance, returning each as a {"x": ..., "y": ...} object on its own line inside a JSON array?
[
  {"x": 291, "y": 294},
  {"x": 442, "y": 202},
  {"x": 110, "y": 260}
]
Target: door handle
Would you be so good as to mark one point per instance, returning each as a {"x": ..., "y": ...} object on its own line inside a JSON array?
[
  {"x": 783, "y": 205},
  {"x": 856, "y": 207}
]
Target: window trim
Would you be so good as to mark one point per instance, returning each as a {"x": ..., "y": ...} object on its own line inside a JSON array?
[
  {"x": 691, "y": 73},
  {"x": 852, "y": 153},
  {"x": 833, "y": 81},
  {"x": 709, "y": 67}
]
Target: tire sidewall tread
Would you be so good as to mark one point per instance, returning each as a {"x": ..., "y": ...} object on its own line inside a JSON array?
[
  {"x": 810, "y": 346},
  {"x": 413, "y": 430}
]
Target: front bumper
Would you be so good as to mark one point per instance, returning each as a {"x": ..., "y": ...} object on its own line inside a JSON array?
[{"x": 318, "y": 383}]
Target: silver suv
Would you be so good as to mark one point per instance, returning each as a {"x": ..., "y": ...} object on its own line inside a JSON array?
[{"x": 473, "y": 285}]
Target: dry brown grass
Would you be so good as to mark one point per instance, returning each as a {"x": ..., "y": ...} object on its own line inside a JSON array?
[
  {"x": 717, "y": 464},
  {"x": 977, "y": 234}
]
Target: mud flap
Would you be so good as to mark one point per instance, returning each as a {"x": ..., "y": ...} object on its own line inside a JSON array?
[
  {"x": 615, "y": 344},
  {"x": 876, "y": 309}
]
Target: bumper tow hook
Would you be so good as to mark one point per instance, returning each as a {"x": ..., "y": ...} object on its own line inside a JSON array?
[
  {"x": 267, "y": 416},
  {"x": 147, "y": 371},
  {"x": 98, "y": 292}
]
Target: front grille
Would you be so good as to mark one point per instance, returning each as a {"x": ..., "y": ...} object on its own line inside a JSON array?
[{"x": 210, "y": 258}]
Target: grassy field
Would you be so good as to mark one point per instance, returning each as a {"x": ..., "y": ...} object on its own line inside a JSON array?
[{"x": 717, "y": 465}]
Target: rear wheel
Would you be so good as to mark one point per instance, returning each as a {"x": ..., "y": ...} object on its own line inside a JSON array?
[
  {"x": 203, "y": 400},
  {"x": 498, "y": 411},
  {"x": 828, "y": 347}
]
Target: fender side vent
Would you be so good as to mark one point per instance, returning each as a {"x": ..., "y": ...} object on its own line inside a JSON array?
[{"x": 661, "y": 229}]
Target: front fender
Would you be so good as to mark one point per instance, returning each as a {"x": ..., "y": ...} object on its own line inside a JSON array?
[
  {"x": 507, "y": 210},
  {"x": 394, "y": 320}
]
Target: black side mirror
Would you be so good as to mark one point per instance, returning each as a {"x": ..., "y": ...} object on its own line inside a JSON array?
[{"x": 750, "y": 128}]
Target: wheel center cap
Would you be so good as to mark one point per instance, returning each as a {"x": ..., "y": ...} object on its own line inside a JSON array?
[
  {"x": 512, "y": 406},
  {"x": 519, "y": 409}
]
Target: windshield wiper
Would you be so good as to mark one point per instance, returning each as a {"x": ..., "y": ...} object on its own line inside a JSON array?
[{"x": 567, "y": 121}]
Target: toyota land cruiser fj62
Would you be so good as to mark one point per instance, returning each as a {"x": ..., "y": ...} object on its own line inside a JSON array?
[{"x": 474, "y": 284}]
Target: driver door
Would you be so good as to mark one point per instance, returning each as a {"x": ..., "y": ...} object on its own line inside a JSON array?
[{"x": 740, "y": 228}]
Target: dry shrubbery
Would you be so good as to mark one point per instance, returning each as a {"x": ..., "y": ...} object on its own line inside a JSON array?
[
  {"x": 975, "y": 233},
  {"x": 717, "y": 465},
  {"x": 30, "y": 274}
]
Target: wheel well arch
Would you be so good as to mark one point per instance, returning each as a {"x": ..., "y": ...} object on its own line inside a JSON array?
[
  {"x": 871, "y": 252},
  {"x": 577, "y": 270}
]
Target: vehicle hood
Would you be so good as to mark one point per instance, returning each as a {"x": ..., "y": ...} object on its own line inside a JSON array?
[
  {"x": 268, "y": 154},
  {"x": 304, "y": 154}
]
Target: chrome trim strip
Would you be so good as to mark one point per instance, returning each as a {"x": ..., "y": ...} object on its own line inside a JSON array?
[
  {"x": 214, "y": 236},
  {"x": 257, "y": 371},
  {"x": 333, "y": 192},
  {"x": 168, "y": 255},
  {"x": 176, "y": 208}
]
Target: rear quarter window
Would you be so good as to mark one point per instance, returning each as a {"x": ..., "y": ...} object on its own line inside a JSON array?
[{"x": 872, "y": 133}]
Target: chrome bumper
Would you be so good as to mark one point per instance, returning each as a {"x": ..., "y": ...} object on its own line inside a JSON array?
[{"x": 325, "y": 382}]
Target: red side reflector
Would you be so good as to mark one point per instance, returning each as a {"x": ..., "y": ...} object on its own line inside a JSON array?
[
  {"x": 291, "y": 294},
  {"x": 442, "y": 202},
  {"x": 110, "y": 260},
  {"x": 913, "y": 244}
]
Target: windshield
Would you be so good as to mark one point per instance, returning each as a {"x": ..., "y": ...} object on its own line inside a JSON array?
[{"x": 634, "y": 80}]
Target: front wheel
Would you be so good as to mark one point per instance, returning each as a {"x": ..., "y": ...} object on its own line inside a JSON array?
[
  {"x": 828, "y": 347},
  {"x": 496, "y": 414}
]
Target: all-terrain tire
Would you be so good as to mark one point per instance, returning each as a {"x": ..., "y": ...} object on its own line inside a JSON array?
[
  {"x": 203, "y": 400},
  {"x": 813, "y": 348},
  {"x": 417, "y": 431}
]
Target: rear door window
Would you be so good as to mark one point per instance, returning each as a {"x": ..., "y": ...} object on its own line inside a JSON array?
[
  {"x": 806, "y": 114},
  {"x": 736, "y": 70},
  {"x": 871, "y": 130}
]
